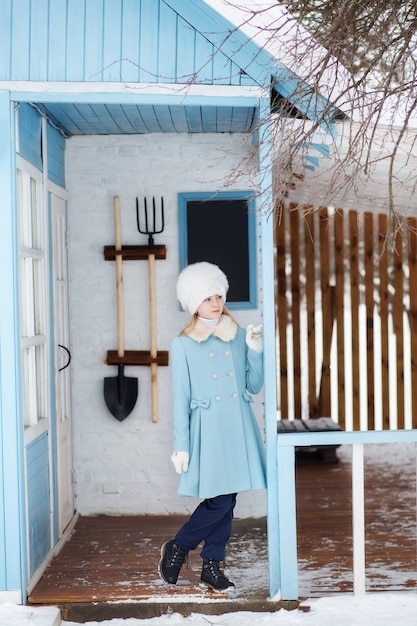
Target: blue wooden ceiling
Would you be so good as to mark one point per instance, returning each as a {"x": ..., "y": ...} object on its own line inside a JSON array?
[{"x": 107, "y": 119}]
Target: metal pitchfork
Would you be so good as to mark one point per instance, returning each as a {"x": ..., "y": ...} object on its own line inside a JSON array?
[{"x": 150, "y": 230}]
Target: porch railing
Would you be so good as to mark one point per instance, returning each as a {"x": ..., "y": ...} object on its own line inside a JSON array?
[
  {"x": 287, "y": 541},
  {"x": 347, "y": 318}
]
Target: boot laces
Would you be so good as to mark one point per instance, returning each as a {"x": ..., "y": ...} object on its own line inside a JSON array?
[
  {"x": 178, "y": 556},
  {"x": 214, "y": 568}
]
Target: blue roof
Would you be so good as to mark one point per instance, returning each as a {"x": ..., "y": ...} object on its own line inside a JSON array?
[{"x": 160, "y": 42}]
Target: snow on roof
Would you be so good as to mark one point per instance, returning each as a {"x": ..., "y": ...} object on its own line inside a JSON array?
[{"x": 352, "y": 171}]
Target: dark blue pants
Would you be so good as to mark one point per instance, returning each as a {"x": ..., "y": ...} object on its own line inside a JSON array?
[{"x": 211, "y": 522}]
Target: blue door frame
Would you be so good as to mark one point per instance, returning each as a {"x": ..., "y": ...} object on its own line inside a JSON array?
[
  {"x": 12, "y": 521},
  {"x": 14, "y": 575}
]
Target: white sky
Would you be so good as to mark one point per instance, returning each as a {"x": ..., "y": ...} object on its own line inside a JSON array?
[{"x": 259, "y": 19}]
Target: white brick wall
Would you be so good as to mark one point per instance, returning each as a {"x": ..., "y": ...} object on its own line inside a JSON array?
[{"x": 124, "y": 467}]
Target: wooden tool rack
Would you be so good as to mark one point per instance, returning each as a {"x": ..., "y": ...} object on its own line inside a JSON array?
[{"x": 136, "y": 357}]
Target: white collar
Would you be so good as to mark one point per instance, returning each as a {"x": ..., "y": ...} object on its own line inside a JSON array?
[
  {"x": 225, "y": 330},
  {"x": 212, "y": 323}
]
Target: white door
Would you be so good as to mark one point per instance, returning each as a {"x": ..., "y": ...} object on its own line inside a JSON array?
[{"x": 62, "y": 364}]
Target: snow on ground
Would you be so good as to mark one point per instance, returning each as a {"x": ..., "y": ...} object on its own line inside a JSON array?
[
  {"x": 373, "y": 609},
  {"x": 385, "y": 608}
]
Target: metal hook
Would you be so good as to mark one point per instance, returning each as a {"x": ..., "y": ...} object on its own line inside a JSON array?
[{"x": 69, "y": 357}]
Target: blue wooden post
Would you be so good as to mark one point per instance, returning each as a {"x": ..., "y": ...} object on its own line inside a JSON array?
[
  {"x": 268, "y": 305},
  {"x": 12, "y": 525},
  {"x": 287, "y": 522}
]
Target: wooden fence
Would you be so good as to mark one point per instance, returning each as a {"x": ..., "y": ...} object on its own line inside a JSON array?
[{"x": 347, "y": 318}]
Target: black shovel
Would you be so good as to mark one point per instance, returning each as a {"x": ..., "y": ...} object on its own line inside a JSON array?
[{"x": 120, "y": 392}]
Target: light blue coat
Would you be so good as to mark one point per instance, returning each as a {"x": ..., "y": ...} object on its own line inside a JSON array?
[{"x": 213, "y": 374}]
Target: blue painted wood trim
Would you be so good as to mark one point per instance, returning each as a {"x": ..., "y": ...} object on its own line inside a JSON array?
[
  {"x": 183, "y": 198},
  {"x": 265, "y": 205},
  {"x": 13, "y": 575},
  {"x": 132, "y": 96},
  {"x": 53, "y": 424},
  {"x": 30, "y": 135},
  {"x": 101, "y": 40},
  {"x": 56, "y": 156},
  {"x": 345, "y": 438},
  {"x": 232, "y": 42},
  {"x": 287, "y": 522},
  {"x": 39, "y": 503}
]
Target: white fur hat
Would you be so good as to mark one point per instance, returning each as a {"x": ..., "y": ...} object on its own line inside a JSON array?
[{"x": 199, "y": 281}]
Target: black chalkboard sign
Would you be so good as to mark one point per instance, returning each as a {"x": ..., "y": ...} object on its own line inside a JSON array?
[{"x": 220, "y": 228}]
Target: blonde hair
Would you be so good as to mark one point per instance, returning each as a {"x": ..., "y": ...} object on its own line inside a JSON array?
[{"x": 190, "y": 325}]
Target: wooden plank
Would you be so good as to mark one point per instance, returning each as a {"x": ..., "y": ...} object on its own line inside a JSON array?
[
  {"x": 339, "y": 252},
  {"x": 148, "y": 41},
  {"x": 57, "y": 39},
  {"x": 282, "y": 312},
  {"x": 354, "y": 297},
  {"x": 112, "y": 41},
  {"x": 324, "y": 402},
  {"x": 383, "y": 314},
  {"x": 6, "y": 38},
  {"x": 167, "y": 44},
  {"x": 137, "y": 357},
  {"x": 135, "y": 253},
  {"x": 224, "y": 120},
  {"x": 20, "y": 40},
  {"x": 369, "y": 305},
  {"x": 412, "y": 264},
  {"x": 295, "y": 308},
  {"x": 93, "y": 44},
  {"x": 310, "y": 291},
  {"x": 179, "y": 119},
  {"x": 223, "y": 69},
  {"x": 186, "y": 51},
  {"x": 398, "y": 309},
  {"x": 203, "y": 59},
  {"x": 39, "y": 20},
  {"x": 75, "y": 43},
  {"x": 130, "y": 41},
  {"x": 209, "y": 118},
  {"x": 38, "y": 500},
  {"x": 287, "y": 513}
]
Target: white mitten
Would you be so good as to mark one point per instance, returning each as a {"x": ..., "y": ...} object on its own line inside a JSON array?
[
  {"x": 180, "y": 461},
  {"x": 254, "y": 337}
]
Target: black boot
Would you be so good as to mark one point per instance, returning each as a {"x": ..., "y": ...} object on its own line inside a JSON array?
[
  {"x": 213, "y": 577},
  {"x": 172, "y": 559}
]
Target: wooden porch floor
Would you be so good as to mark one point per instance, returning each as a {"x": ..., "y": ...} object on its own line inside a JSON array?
[{"x": 108, "y": 567}]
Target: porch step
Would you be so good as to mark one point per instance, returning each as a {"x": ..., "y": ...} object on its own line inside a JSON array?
[
  {"x": 100, "y": 611},
  {"x": 327, "y": 453}
]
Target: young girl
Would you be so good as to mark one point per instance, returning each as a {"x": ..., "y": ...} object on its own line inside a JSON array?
[{"x": 218, "y": 450}]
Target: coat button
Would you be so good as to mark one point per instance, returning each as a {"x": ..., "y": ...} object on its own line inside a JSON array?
[
  {"x": 214, "y": 376},
  {"x": 211, "y": 355},
  {"x": 234, "y": 395},
  {"x": 231, "y": 374},
  {"x": 227, "y": 353},
  {"x": 218, "y": 398}
]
